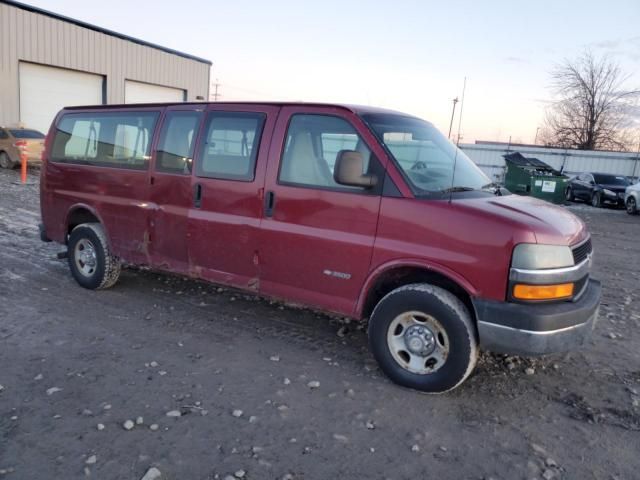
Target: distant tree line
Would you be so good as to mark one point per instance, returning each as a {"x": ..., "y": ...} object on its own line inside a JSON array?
[{"x": 592, "y": 108}]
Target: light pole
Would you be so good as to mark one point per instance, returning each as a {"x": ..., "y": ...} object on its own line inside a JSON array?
[
  {"x": 535, "y": 139},
  {"x": 453, "y": 112}
]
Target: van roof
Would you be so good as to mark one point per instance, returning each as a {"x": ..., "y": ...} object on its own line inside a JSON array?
[{"x": 358, "y": 109}]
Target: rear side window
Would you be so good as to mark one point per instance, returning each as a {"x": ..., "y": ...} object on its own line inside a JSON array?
[
  {"x": 3, "y": 135},
  {"x": 230, "y": 145},
  {"x": 108, "y": 139},
  {"x": 175, "y": 148}
]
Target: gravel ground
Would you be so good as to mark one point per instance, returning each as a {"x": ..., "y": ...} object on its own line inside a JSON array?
[{"x": 201, "y": 382}]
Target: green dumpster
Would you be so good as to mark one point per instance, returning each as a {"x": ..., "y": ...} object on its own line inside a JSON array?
[{"x": 530, "y": 176}]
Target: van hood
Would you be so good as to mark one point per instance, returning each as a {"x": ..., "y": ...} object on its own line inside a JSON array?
[{"x": 550, "y": 224}]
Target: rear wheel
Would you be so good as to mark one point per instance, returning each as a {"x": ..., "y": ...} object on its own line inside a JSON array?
[
  {"x": 632, "y": 207},
  {"x": 423, "y": 338},
  {"x": 569, "y": 195},
  {"x": 596, "y": 200},
  {"x": 90, "y": 260},
  {"x": 5, "y": 161}
]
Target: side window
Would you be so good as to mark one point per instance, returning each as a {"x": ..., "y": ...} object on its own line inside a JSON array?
[
  {"x": 230, "y": 145},
  {"x": 83, "y": 142},
  {"x": 3, "y": 134},
  {"x": 177, "y": 139},
  {"x": 105, "y": 139},
  {"x": 312, "y": 146}
]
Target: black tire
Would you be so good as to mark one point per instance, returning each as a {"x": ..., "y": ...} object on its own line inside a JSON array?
[
  {"x": 449, "y": 313},
  {"x": 596, "y": 200},
  {"x": 102, "y": 269},
  {"x": 5, "y": 161},
  {"x": 632, "y": 207},
  {"x": 568, "y": 195}
]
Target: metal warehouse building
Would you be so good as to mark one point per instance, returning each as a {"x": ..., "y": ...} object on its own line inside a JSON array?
[{"x": 48, "y": 61}]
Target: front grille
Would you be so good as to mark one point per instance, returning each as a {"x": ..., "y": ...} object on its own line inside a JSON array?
[{"x": 581, "y": 252}]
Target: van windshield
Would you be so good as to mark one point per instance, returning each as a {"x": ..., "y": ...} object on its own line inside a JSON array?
[{"x": 426, "y": 156}]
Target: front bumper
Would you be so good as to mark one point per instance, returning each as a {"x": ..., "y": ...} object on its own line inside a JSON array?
[
  {"x": 618, "y": 198},
  {"x": 538, "y": 329}
]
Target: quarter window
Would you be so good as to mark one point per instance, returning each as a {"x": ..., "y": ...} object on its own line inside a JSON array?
[
  {"x": 107, "y": 139},
  {"x": 312, "y": 147},
  {"x": 175, "y": 149},
  {"x": 230, "y": 145},
  {"x": 3, "y": 135}
]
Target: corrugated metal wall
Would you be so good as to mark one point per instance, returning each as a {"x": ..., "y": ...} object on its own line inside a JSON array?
[
  {"x": 32, "y": 37},
  {"x": 489, "y": 158}
]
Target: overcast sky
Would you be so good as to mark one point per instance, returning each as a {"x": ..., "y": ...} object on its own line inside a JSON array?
[{"x": 408, "y": 55}]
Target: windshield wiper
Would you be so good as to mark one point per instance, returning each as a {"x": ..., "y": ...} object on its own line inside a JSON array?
[
  {"x": 495, "y": 188},
  {"x": 457, "y": 189}
]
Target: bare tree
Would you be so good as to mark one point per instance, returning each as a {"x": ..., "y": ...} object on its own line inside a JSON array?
[{"x": 593, "y": 109}]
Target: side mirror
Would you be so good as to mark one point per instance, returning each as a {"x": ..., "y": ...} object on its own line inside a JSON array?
[
  {"x": 592, "y": 182},
  {"x": 348, "y": 170}
]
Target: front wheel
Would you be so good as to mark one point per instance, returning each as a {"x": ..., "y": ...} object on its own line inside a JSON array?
[
  {"x": 632, "y": 207},
  {"x": 422, "y": 336},
  {"x": 5, "y": 161},
  {"x": 596, "y": 200},
  {"x": 569, "y": 195},
  {"x": 90, "y": 260}
]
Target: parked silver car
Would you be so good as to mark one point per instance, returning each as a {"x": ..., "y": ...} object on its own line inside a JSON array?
[{"x": 632, "y": 199}]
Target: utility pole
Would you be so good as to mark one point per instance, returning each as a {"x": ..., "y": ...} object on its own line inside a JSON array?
[
  {"x": 215, "y": 93},
  {"x": 464, "y": 89},
  {"x": 535, "y": 139},
  {"x": 453, "y": 113}
]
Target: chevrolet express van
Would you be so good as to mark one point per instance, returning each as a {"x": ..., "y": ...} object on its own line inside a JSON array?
[{"x": 359, "y": 211}]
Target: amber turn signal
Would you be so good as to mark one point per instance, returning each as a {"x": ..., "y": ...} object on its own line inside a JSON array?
[{"x": 543, "y": 292}]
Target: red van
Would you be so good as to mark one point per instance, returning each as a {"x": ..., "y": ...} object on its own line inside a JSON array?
[{"x": 364, "y": 212}]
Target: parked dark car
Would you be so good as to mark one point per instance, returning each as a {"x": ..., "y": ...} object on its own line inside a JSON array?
[{"x": 598, "y": 189}]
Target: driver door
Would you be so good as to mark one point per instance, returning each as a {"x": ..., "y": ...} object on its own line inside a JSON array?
[{"x": 317, "y": 236}]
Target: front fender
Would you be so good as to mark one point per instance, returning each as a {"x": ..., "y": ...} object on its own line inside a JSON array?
[{"x": 382, "y": 270}]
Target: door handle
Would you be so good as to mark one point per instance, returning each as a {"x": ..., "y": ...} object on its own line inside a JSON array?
[
  {"x": 269, "y": 203},
  {"x": 197, "y": 195}
]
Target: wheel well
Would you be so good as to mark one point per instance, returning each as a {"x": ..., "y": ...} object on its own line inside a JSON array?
[
  {"x": 78, "y": 217},
  {"x": 398, "y": 277}
]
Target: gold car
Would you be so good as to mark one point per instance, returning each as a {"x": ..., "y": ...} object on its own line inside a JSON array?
[{"x": 15, "y": 141}]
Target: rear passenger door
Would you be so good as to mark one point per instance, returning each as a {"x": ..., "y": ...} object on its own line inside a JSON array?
[
  {"x": 170, "y": 192},
  {"x": 317, "y": 236},
  {"x": 227, "y": 193}
]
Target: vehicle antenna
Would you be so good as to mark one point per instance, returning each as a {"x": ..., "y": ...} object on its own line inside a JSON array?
[{"x": 455, "y": 157}]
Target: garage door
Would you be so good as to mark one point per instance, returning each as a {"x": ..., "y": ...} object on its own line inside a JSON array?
[
  {"x": 138, "y": 92},
  {"x": 46, "y": 90}
]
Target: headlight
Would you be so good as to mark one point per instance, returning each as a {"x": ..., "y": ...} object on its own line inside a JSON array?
[
  {"x": 609, "y": 192},
  {"x": 532, "y": 256}
]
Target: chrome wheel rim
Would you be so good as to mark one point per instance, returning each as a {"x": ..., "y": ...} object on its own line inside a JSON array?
[
  {"x": 85, "y": 257},
  {"x": 631, "y": 205},
  {"x": 418, "y": 342},
  {"x": 568, "y": 194}
]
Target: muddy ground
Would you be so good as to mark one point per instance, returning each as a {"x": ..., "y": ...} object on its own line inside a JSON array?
[{"x": 75, "y": 365}]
